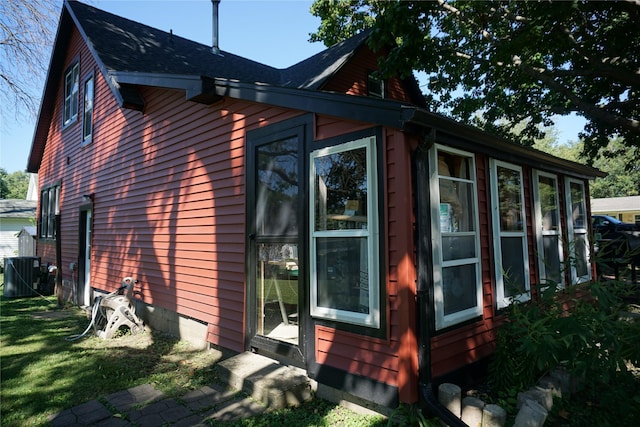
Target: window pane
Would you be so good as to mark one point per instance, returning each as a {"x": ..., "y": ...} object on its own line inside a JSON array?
[
  {"x": 513, "y": 266},
  {"x": 44, "y": 213},
  {"x": 459, "y": 288},
  {"x": 458, "y": 247},
  {"x": 457, "y": 207},
  {"x": 578, "y": 206},
  {"x": 87, "y": 122},
  {"x": 342, "y": 268},
  {"x": 277, "y": 291},
  {"x": 509, "y": 199},
  {"x": 277, "y": 204},
  {"x": 551, "y": 259},
  {"x": 341, "y": 190},
  {"x": 548, "y": 203},
  {"x": 580, "y": 242},
  {"x": 454, "y": 166}
]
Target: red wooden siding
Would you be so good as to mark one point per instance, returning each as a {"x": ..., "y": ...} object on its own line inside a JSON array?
[
  {"x": 352, "y": 78},
  {"x": 169, "y": 198},
  {"x": 392, "y": 360}
]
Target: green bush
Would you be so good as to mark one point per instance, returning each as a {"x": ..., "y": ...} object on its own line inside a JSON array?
[{"x": 580, "y": 329}]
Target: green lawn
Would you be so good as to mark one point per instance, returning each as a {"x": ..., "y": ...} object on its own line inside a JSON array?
[{"x": 42, "y": 373}]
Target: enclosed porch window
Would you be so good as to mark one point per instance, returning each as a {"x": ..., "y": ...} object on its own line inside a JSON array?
[
  {"x": 548, "y": 230},
  {"x": 456, "y": 254},
  {"x": 344, "y": 233},
  {"x": 577, "y": 229},
  {"x": 511, "y": 256}
]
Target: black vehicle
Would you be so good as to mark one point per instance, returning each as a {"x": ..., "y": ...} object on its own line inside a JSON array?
[{"x": 606, "y": 225}]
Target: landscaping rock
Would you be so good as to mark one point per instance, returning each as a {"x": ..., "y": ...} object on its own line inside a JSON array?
[
  {"x": 449, "y": 396},
  {"x": 493, "y": 416},
  {"x": 472, "y": 411},
  {"x": 531, "y": 414},
  {"x": 537, "y": 394}
]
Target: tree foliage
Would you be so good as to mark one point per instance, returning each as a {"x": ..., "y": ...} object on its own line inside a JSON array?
[
  {"x": 26, "y": 36},
  {"x": 13, "y": 185},
  {"x": 511, "y": 60}
]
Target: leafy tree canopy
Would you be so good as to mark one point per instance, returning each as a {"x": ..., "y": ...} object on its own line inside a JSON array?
[
  {"x": 13, "y": 185},
  {"x": 510, "y": 60}
]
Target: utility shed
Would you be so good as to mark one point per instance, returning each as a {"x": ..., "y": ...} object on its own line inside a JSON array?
[
  {"x": 15, "y": 214},
  {"x": 27, "y": 241}
]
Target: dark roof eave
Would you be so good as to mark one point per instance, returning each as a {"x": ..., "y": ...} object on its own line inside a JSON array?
[
  {"x": 357, "y": 108},
  {"x": 349, "y": 107},
  {"x": 449, "y": 130}
]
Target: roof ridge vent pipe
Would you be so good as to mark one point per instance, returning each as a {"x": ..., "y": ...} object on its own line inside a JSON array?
[{"x": 215, "y": 49}]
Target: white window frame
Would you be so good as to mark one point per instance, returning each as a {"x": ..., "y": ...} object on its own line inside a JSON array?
[
  {"x": 501, "y": 300},
  {"x": 87, "y": 109},
  {"x": 442, "y": 320},
  {"x": 573, "y": 230},
  {"x": 540, "y": 232},
  {"x": 371, "y": 319},
  {"x": 71, "y": 90}
]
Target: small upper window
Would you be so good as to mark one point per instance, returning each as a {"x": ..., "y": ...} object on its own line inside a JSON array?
[
  {"x": 375, "y": 86},
  {"x": 87, "y": 117},
  {"x": 71, "y": 94}
]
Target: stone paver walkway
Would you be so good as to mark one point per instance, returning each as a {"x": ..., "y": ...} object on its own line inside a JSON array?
[{"x": 145, "y": 406}]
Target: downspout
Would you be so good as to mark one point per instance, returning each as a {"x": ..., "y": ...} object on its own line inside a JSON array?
[{"x": 426, "y": 326}]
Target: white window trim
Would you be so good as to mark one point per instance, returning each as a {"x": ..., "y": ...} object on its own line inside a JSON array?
[
  {"x": 75, "y": 90},
  {"x": 540, "y": 232},
  {"x": 501, "y": 300},
  {"x": 571, "y": 231},
  {"x": 371, "y": 319},
  {"x": 442, "y": 320}
]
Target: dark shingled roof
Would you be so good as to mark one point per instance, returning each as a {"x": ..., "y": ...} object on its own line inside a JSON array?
[
  {"x": 17, "y": 208},
  {"x": 128, "y": 46}
]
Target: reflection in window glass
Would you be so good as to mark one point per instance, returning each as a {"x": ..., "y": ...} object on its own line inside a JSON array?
[
  {"x": 341, "y": 190},
  {"x": 578, "y": 206},
  {"x": 87, "y": 117},
  {"x": 510, "y": 199},
  {"x": 459, "y": 288},
  {"x": 510, "y": 248},
  {"x": 548, "y": 202},
  {"x": 277, "y": 175},
  {"x": 343, "y": 282},
  {"x": 513, "y": 271}
]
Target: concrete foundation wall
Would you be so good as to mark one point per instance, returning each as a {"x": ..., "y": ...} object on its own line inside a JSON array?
[{"x": 166, "y": 321}]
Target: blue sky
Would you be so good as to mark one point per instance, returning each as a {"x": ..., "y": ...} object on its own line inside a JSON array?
[{"x": 274, "y": 32}]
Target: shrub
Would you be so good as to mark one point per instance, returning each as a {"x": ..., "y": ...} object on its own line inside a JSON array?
[{"x": 580, "y": 329}]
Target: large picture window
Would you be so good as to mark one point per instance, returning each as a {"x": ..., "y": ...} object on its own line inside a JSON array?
[
  {"x": 456, "y": 259},
  {"x": 71, "y": 89},
  {"x": 510, "y": 233},
  {"x": 344, "y": 233},
  {"x": 577, "y": 229},
  {"x": 49, "y": 208},
  {"x": 547, "y": 228}
]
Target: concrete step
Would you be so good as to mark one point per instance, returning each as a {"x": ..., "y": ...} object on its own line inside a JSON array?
[{"x": 275, "y": 385}]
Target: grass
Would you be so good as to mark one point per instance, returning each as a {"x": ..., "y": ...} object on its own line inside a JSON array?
[{"x": 42, "y": 373}]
